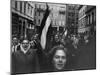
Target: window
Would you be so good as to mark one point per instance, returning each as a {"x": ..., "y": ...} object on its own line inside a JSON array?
[
  {"x": 31, "y": 10},
  {"x": 13, "y": 3},
  {"x": 62, "y": 12},
  {"x": 60, "y": 23},
  {"x": 39, "y": 21},
  {"x": 89, "y": 19},
  {"x": 92, "y": 17},
  {"x": 20, "y": 6},
  {"x": 63, "y": 23},
  {"x": 28, "y": 8},
  {"x": 24, "y": 7},
  {"x": 16, "y": 5},
  {"x": 39, "y": 6}
]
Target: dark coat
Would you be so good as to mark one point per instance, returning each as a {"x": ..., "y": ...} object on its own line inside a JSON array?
[{"x": 25, "y": 63}]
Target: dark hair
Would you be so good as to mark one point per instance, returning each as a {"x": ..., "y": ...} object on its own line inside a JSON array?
[{"x": 55, "y": 48}]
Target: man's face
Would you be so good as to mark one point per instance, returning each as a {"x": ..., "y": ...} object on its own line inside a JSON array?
[
  {"x": 25, "y": 44},
  {"x": 59, "y": 59},
  {"x": 15, "y": 41}
]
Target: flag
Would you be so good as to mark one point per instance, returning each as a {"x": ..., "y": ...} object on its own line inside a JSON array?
[
  {"x": 44, "y": 28},
  {"x": 44, "y": 32}
]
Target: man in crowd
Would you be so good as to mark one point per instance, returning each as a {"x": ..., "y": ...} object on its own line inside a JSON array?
[
  {"x": 15, "y": 44},
  {"x": 25, "y": 59}
]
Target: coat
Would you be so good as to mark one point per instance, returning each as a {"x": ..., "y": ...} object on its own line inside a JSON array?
[{"x": 25, "y": 63}]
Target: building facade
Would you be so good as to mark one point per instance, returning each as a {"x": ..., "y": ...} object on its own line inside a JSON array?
[
  {"x": 82, "y": 19},
  {"x": 22, "y": 14},
  {"x": 39, "y": 12},
  {"x": 57, "y": 16},
  {"x": 87, "y": 19},
  {"x": 91, "y": 19},
  {"x": 72, "y": 18}
]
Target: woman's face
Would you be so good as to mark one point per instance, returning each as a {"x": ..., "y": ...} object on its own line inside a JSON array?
[{"x": 59, "y": 59}]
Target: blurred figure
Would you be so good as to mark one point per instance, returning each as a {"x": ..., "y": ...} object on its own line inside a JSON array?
[
  {"x": 57, "y": 37},
  {"x": 75, "y": 41},
  {"x": 25, "y": 59},
  {"x": 15, "y": 44},
  {"x": 86, "y": 38},
  {"x": 64, "y": 38},
  {"x": 59, "y": 58}
]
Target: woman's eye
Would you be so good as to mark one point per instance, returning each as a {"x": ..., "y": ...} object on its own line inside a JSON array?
[{"x": 56, "y": 57}]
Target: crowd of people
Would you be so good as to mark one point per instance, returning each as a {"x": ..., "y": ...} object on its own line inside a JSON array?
[{"x": 29, "y": 56}]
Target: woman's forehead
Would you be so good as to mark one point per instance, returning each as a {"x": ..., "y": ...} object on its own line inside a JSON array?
[{"x": 60, "y": 52}]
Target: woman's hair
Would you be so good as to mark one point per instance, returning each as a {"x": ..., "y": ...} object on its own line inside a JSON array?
[
  {"x": 58, "y": 47},
  {"x": 55, "y": 48}
]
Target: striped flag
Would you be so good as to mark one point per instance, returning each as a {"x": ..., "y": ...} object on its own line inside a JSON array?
[
  {"x": 44, "y": 28},
  {"x": 44, "y": 32}
]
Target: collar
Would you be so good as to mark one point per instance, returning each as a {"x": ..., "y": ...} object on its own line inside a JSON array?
[{"x": 24, "y": 51}]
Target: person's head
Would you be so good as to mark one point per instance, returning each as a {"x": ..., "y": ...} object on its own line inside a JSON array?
[
  {"x": 15, "y": 41},
  {"x": 25, "y": 44},
  {"x": 59, "y": 57}
]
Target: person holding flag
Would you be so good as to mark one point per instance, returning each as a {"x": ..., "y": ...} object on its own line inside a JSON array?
[
  {"x": 42, "y": 43},
  {"x": 45, "y": 24}
]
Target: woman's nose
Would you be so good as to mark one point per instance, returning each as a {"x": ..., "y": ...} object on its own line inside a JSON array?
[{"x": 60, "y": 59}]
